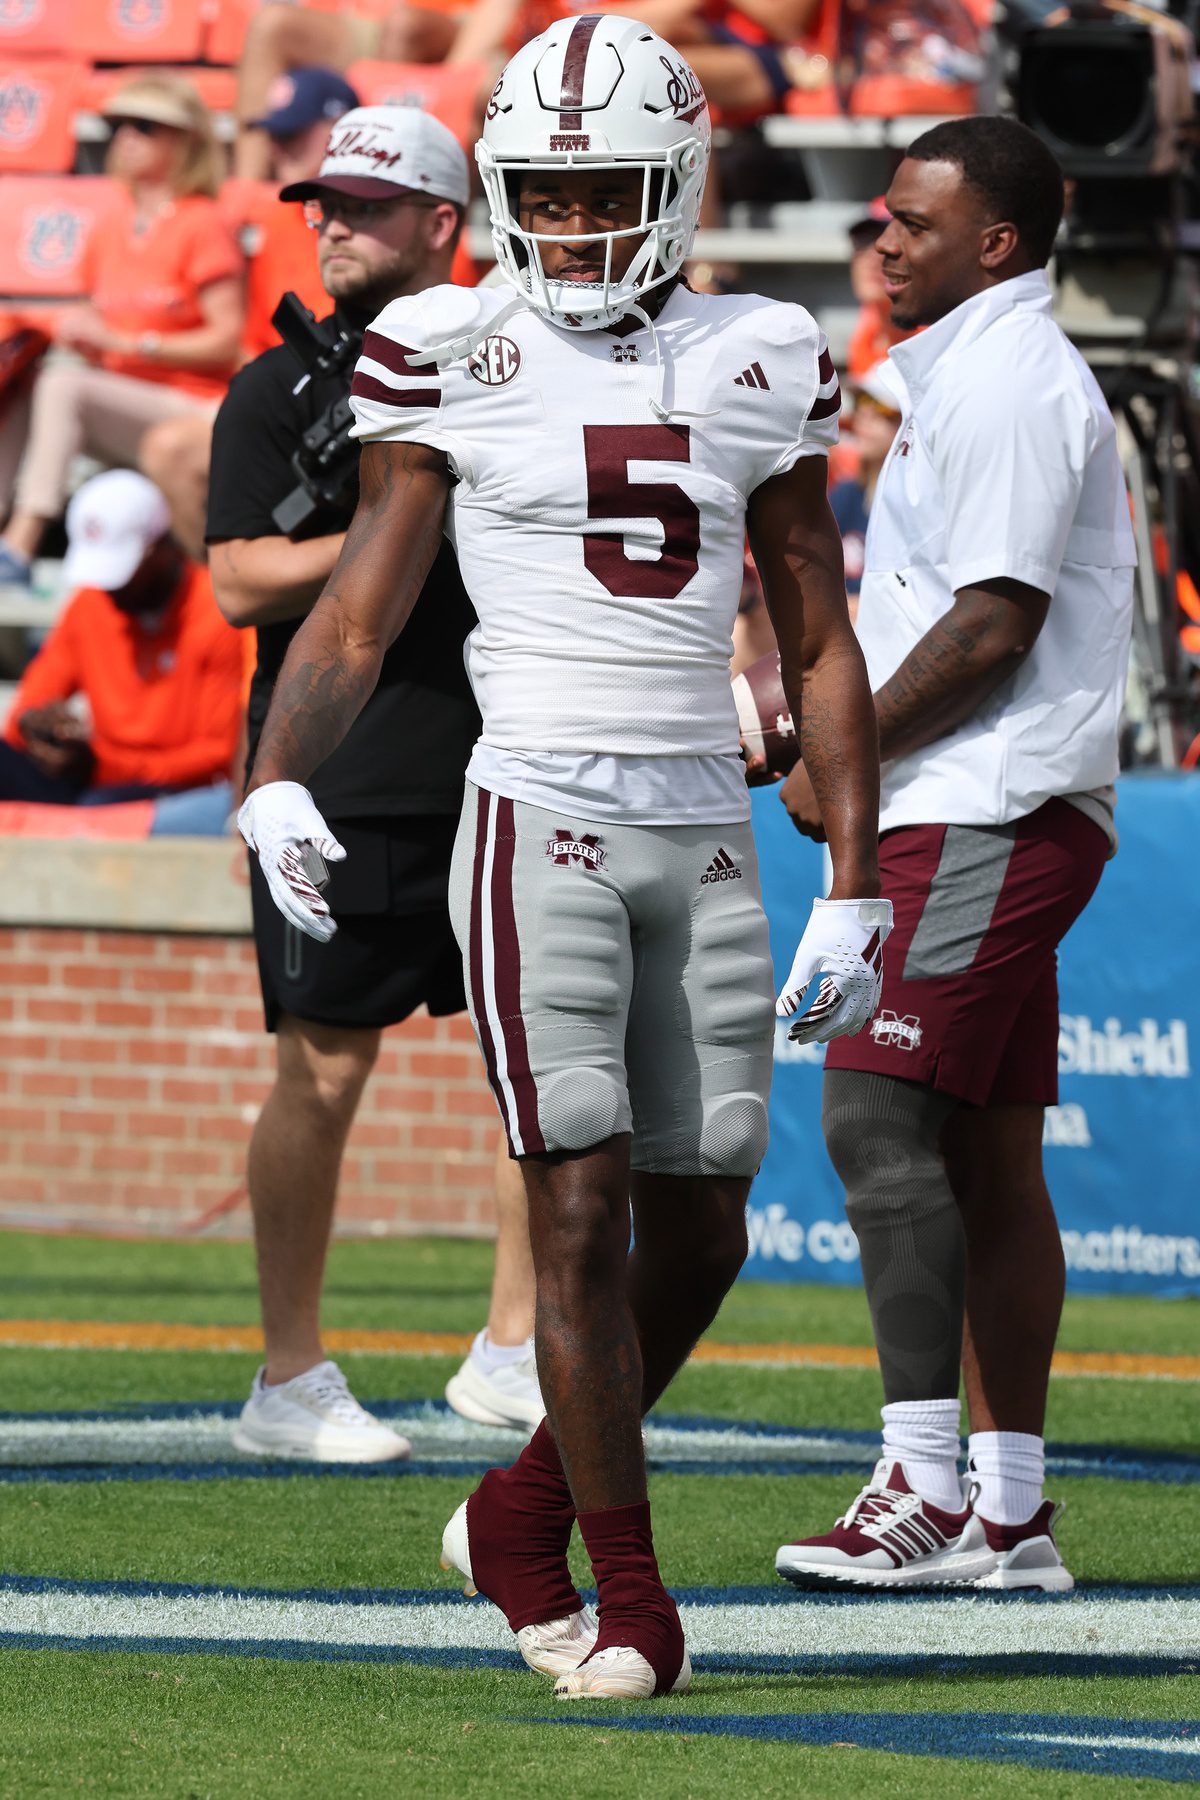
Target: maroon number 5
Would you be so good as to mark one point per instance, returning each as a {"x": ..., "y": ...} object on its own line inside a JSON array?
[{"x": 608, "y": 451}]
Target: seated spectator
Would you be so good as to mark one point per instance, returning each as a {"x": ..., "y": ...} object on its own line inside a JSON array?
[
  {"x": 284, "y": 37},
  {"x": 281, "y": 253},
  {"x": 873, "y": 423},
  {"x": 160, "y": 334},
  {"x": 303, "y": 107},
  {"x": 137, "y": 690}
]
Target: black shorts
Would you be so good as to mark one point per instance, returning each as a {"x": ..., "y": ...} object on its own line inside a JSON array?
[{"x": 394, "y": 950}]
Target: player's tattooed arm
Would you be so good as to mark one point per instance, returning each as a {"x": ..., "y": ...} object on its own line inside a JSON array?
[
  {"x": 333, "y": 662},
  {"x": 958, "y": 665},
  {"x": 798, "y": 551}
]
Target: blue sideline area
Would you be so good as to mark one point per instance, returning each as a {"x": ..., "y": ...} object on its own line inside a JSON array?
[
  {"x": 1122, "y": 1147},
  {"x": 1135, "y": 1748}
]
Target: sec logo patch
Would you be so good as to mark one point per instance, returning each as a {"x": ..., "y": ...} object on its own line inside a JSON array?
[{"x": 495, "y": 362}]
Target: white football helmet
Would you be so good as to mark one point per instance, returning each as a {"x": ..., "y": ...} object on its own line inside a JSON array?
[{"x": 594, "y": 92}]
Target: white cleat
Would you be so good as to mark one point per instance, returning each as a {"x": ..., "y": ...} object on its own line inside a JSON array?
[
  {"x": 507, "y": 1395},
  {"x": 617, "y": 1674},
  {"x": 314, "y": 1418},
  {"x": 552, "y": 1648}
]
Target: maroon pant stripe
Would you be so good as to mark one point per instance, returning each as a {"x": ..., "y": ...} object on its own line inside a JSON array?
[
  {"x": 570, "y": 100},
  {"x": 507, "y": 958},
  {"x": 486, "y": 1041}
]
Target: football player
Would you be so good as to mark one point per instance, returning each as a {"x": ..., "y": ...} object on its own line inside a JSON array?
[{"x": 595, "y": 440}]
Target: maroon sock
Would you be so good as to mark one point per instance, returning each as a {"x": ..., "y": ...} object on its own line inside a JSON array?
[
  {"x": 519, "y": 1526},
  {"x": 636, "y": 1611}
]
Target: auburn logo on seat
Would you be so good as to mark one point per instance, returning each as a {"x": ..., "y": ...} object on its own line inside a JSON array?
[
  {"x": 22, "y": 112},
  {"x": 52, "y": 241}
]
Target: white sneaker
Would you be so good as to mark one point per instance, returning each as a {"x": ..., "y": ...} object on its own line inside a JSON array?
[
  {"x": 507, "y": 1395},
  {"x": 316, "y": 1418},
  {"x": 552, "y": 1648}
]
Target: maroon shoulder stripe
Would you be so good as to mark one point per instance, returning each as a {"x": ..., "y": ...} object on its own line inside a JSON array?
[
  {"x": 570, "y": 100},
  {"x": 825, "y": 368},
  {"x": 395, "y": 357},
  {"x": 828, "y": 407},
  {"x": 365, "y": 387},
  {"x": 507, "y": 963}
]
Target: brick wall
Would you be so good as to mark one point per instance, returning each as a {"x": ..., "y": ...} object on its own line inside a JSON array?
[{"x": 132, "y": 1067}]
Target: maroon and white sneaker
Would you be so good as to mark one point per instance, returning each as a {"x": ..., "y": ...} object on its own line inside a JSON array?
[
  {"x": 1026, "y": 1556},
  {"x": 891, "y": 1538}
]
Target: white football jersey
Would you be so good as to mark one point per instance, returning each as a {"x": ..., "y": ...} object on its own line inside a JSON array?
[{"x": 601, "y": 545}]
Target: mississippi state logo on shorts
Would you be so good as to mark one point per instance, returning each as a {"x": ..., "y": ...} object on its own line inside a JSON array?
[
  {"x": 495, "y": 362},
  {"x": 894, "y": 1033},
  {"x": 565, "y": 848}
]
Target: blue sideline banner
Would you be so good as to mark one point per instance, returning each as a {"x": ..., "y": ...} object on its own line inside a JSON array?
[{"x": 1122, "y": 1146}]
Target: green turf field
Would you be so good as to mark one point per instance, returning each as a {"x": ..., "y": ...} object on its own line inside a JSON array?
[{"x": 313, "y": 1647}]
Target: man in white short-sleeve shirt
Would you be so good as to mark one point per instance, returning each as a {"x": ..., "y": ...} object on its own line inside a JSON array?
[{"x": 995, "y": 618}]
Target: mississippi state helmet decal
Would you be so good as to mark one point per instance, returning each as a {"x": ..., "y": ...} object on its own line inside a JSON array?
[{"x": 597, "y": 92}]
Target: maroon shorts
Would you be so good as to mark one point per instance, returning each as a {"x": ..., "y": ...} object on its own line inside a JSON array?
[{"x": 970, "y": 972}]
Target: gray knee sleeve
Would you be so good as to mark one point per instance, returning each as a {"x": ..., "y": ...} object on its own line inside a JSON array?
[{"x": 882, "y": 1138}]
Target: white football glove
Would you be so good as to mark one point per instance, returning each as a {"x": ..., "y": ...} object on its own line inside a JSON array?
[
  {"x": 277, "y": 821},
  {"x": 843, "y": 944}
]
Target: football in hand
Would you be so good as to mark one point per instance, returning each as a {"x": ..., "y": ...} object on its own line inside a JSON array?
[{"x": 764, "y": 716}]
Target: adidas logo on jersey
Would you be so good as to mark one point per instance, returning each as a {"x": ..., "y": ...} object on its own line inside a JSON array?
[
  {"x": 721, "y": 868},
  {"x": 752, "y": 377}
]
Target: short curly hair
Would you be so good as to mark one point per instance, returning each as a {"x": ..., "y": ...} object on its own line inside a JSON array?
[{"x": 1011, "y": 170}]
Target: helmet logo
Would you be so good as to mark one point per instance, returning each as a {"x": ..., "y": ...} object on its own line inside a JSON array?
[
  {"x": 685, "y": 96},
  {"x": 495, "y": 362},
  {"x": 569, "y": 140}
]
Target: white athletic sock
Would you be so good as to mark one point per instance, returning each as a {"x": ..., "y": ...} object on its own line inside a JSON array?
[
  {"x": 497, "y": 1356},
  {"x": 923, "y": 1435},
  {"x": 1010, "y": 1467}
]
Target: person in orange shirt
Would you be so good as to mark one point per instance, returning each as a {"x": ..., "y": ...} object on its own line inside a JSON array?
[
  {"x": 137, "y": 690},
  {"x": 159, "y": 335}
]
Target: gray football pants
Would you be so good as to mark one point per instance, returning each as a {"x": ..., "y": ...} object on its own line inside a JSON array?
[{"x": 619, "y": 979}]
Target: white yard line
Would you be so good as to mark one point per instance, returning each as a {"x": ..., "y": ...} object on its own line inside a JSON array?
[{"x": 967, "y": 1626}]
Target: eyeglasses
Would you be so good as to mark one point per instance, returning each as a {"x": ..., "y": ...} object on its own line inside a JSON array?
[
  {"x": 324, "y": 208},
  {"x": 143, "y": 127}
]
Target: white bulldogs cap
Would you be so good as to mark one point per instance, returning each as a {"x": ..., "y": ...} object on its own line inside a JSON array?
[{"x": 376, "y": 149}]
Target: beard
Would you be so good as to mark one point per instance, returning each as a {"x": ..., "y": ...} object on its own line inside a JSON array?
[{"x": 373, "y": 284}]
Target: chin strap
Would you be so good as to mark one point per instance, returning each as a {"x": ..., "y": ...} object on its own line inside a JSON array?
[
  {"x": 663, "y": 363},
  {"x": 458, "y": 349}
]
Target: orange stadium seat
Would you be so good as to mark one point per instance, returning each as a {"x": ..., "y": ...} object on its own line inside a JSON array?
[
  {"x": 226, "y": 30},
  {"x": 139, "y": 31},
  {"x": 885, "y": 97},
  {"x": 449, "y": 92},
  {"x": 125, "y": 820},
  {"x": 47, "y": 222},
  {"x": 216, "y": 87},
  {"x": 38, "y": 103},
  {"x": 35, "y": 27}
]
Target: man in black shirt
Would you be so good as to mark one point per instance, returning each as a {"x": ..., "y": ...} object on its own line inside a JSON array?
[{"x": 388, "y": 203}]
